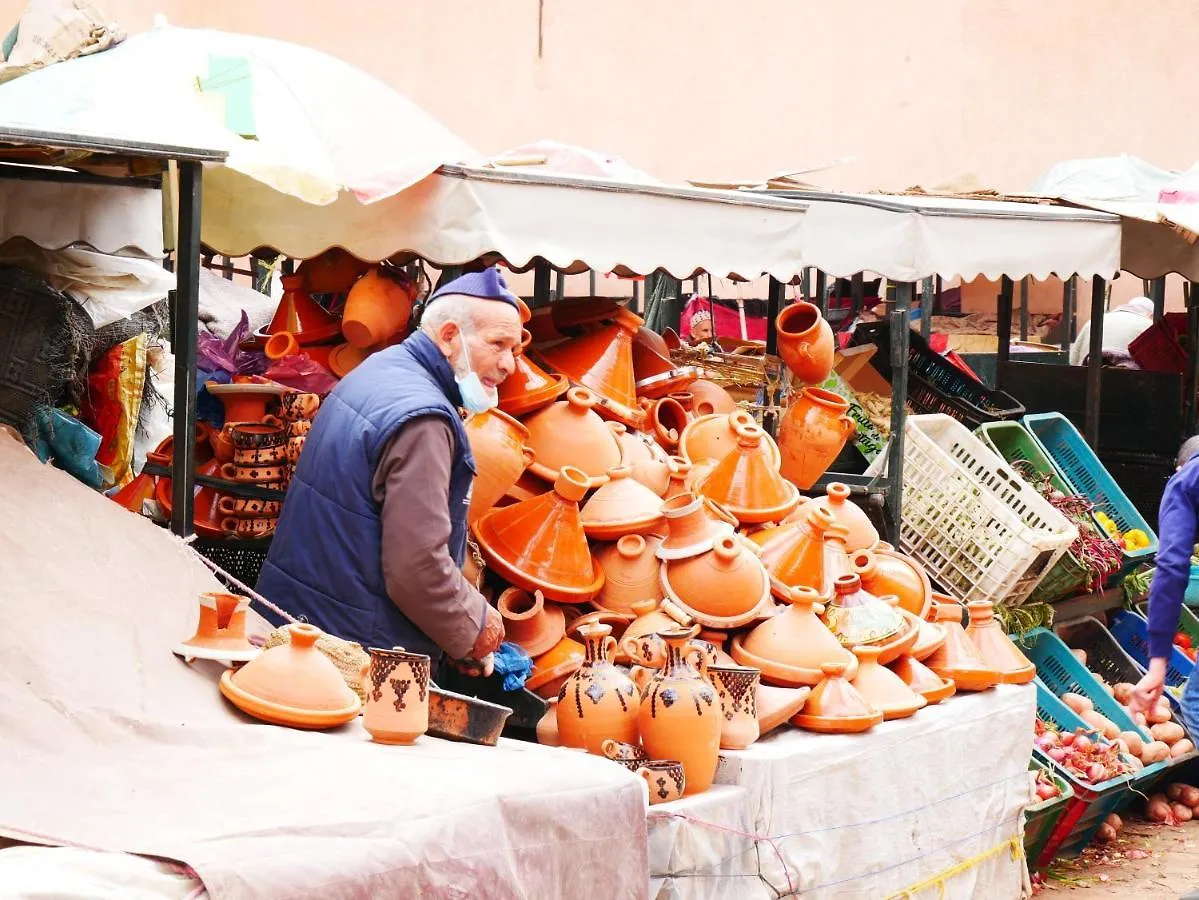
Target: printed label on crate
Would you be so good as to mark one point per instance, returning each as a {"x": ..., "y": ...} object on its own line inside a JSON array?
[{"x": 868, "y": 439}]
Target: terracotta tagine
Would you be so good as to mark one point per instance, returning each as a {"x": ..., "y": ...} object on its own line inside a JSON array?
[
  {"x": 928, "y": 641},
  {"x": 535, "y": 626},
  {"x": 630, "y": 573},
  {"x": 805, "y": 342},
  {"x": 680, "y": 716},
  {"x": 713, "y": 437},
  {"x": 331, "y": 272},
  {"x": 500, "y": 447},
  {"x": 958, "y": 659},
  {"x": 598, "y": 702},
  {"x": 856, "y": 616},
  {"x": 245, "y": 401},
  {"x": 539, "y": 544},
  {"x": 666, "y": 420},
  {"x": 796, "y": 557},
  {"x": 622, "y": 506},
  {"x": 812, "y": 432},
  {"x": 709, "y": 398},
  {"x": 995, "y": 647},
  {"x": 736, "y": 686},
  {"x": 792, "y": 647},
  {"x": 302, "y": 316},
  {"x": 862, "y": 533},
  {"x": 666, "y": 780},
  {"x": 837, "y": 559},
  {"x": 691, "y": 529},
  {"x": 777, "y": 705},
  {"x": 377, "y": 308},
  {"x": 221, "y": 632},
  {"x": 679, "y": 471},
  {"x": 529, "y": 387},
  {"x": 886, "y": 572},
  {"x": 602, "y": 361},
  {"x": 882, "y": 688},
  {"x": 747, "y": 483},
  {"x": 923, "y": 680},
  {"x": 292, "y": 684},
  {"x": 551, "y": 669},
  {"x": 836, "y": 707},
  {"x": 397, "y": 695},
  {"x": 723, "y": 588},
  {"x": 569, "y": 433},
  {"x": 640, "y": 644},
  {"x": 635, "y": 446}
]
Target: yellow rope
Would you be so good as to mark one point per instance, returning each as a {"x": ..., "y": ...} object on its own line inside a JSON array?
[{"x": 1014, "y": 844}]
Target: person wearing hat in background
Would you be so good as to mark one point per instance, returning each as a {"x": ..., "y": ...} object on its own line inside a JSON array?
[
  {"x": 700, "y": 330},
  {"x": 372, "y": 537},
  {"x": 1121, "y": 326}
]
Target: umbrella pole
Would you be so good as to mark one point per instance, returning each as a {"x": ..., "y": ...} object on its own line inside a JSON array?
[{"x": 187, "y": 312}]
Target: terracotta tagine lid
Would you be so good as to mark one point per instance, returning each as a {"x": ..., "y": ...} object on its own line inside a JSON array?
[
  {"x": 836, "y": 706},
  {"x": 805, "y": 342},
  {"x": 569, "y": 433},
  {"x": 882, "y": 688},
  {"x": 928, "y": 641},
  {"x": 598, "y": 702},
  {"x": 500, "y": 447},
  {"x": 792, "y": 647},
  {"x": 622, "y": 506},
  {"x": 795, "y": 558},
  {"x": 903, "y": 642},
  {"x": 602, "y": 361},
  {"x": 539, "y": 544},
  {"x": 723, "y": 588},
  {"x": 292, "y": 684},
  {"x": 638, "y": 644},
  {"x": 345, "y": 358},
  {"x": 747, "y": 483},
  {"x": 958, "y": 659},
  {"x": 856, "y": 616},
  {"x": 923, "y": 680},
  {"x": 530, "y": 622},
  {"x": 715, "y": 436},
  {"x": 221, "y": 632},
  {"x": 886, "y": 572},
  {"x": 630, "y": 573},
  {"x": 862, "y": 533},
  {"x": 377, "y": 308},
  {"x": 777, "y": 704},
  {"x": 635, "y": 447},
  {"x": 529, "y": 387},
  {"x": 708, "y": 398},
  {"x": 837, "y": 560},
  {"x": 679, "y": 471},
  {"x": 995, "y": 647},
  {"x": 299, "y": 314},
  {"x": 691, "y": 528},
  {"x": 551, "y": 669}
]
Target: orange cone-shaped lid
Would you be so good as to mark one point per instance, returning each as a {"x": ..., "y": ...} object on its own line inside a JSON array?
[
  {"x": 862, "y": 533},
  {"x": 715, "y": 436},
  {"x": 923, "y": 680},
  {"x": 622, "y": 506},
  {"x": 331, "y": 272},
  {"x": 301, "y": 315},
  {"x": 221, "y": 632},
  {"x": 691, "y": 529},
  {"x": 882, "y": 688},
  {"x": 651, "y": 356},
  {"x": 958, "y": 658},
  {"x": 791, "y": 647},
  {"x": 292, "y": 684},
  {"x": 795, "y": 558},
  {"x": 529, "y": 387},
  {"x": 723, "y": 588},
  {"x": 602, "y": 361},
  {"x": 836, "y": 706},
  {"x": 886, "y": 572},
  {"x": 747, "y": 482},
  {"x": 995, "y": 647},
  {"x": 569, "y": 433},
  {"x": 539, "y": 544}
]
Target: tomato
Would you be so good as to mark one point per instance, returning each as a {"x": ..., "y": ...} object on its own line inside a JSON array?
[{"x": 1182, "y": 640}]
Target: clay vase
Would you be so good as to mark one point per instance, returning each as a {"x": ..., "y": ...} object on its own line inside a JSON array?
[
  {"x": 502, "y": 453},
  {"x": 629, "y": 755},
  {"x": 621, "y": 506},
  {"x": 747, "y": 483},
  {"x": 723, "y": 588},
  {"x": 598, "y": 702},
  {"x": 630, "y": 573},
  {"x": 690, "y": 529},
  {"x": 923, "y": 680},
  {"x": 796, "y": 557},
  {"x": 302, "y": 316},
  {"x": 737, "y": 687},
  {"x": 331, "y": 272},
  {"x": 529, "y": 387},
  {"x": 679, "y": 471},
  {"x": 709, "y": 398},
  {"x": 714, "y": 437},
  {"x": 665, "y": 778},
  {"x": 666, "y": 420},
  {"x": 397, "y": 695},
  {"x": 777, "y": 705},
  {"x": 882, "y": 688},
  {"x": 791, "y": 648},
  {"x": 884, "y": 572},
  {"x": 539, "y": 544},
  {"x": 862, "y": 533},
  {"x": 813, "y": 431},
  {"x": 836, "y": 707},
  {"x": 602, "y": 361},
  {"x": 377, "y": 308},
  {"x": 805, "y": 342},
  {"x": 995, "y": 647},
  {"x": 858, "y": 617},
  {"x": 292, "y": 684},
  {"x": 569, "y": 433},
  {"x": 530, "y": 622},
  {"x": 958, "y": 658},
  {"x": 551, "y": 669},
  {"x": 221, "y": 632},
  {"x": 640, "y": 643},
  {"x": 680, "y": 716}
]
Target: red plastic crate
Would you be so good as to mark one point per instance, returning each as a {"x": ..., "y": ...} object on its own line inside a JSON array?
[{"x": 1159, "y": 347}]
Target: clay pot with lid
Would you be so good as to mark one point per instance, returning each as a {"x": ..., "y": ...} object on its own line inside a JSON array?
[
  {"x": 647, "y": 462},
  {"x": 862, "y": 533},
  {"x": 737, "y": 688},
  {"x": 857, "y": 617},
  {"x": 299, "y": 314},
  {"x": 882, "y": 688},
  {"x": 747, "y": 483},
  {"x": 923, "y": 680},
  {"x": 791, "y": 648},
  {"x": 630, "y": 573},
  {"x": 837, "y": 559},
  {"x": 725, "y": 587},
  {"x": 598, "y": 702},
  {"x": 928, "y": 641},
  {"x": 377, "y": 308},
  {"x": 958, "y": 659},
  {"x": 539, "y": 544},
  {"x": 530, "y": 622},
  {"x": 805, "y": 342},
  {"x": 602, "y": 361},
  {"x": 995, "y": 647},
  {"x": 569, "y": 433},
  {"x": 529, "y": 387},
  {"x": 292, "y": 684},
  {"x": 621, "y": 506},
  {"x": 715, "y": 436},
  {"x": 502, "y": 453},
  {"x": 708, "y": 398},
  {"x": 639, "y": 644},
  {"x": 796, "y": 557},
  {"x": 836, "y": 707},
  {"x": 397, "y": 695},
  {"x": 332, "y": 272},
  {"x": 885, "y": 572},
  {"x": 221, "y": 631},
  {"x": 678, "y": 474},
  {"x": 691, "y": 529},
  {"x": 812, "y": 432}
]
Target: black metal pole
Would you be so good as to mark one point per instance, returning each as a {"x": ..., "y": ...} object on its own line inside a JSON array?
[
  {"x": 805, "y": 284},
  {"x": 1069, "y": 289},
  {"x": 900, "y": 337},
  {"x": 926, "y": 307},
  {"x": 1003, "y": 351},
  {"x": 541, "y": 283},
  {"x": 822, "y": 292},
  {"x": 187, "y": 312},
  {"x": 560, "y": 286},
  {"x": 1157, "y": 293},
  {"x": 857, "y": 293},
  {"x": 774, "y": 305},
  {"x": 1095, "y": 364},
  {"x": 1024, "y": 308},
  {"x": 1190, "y": 384}
]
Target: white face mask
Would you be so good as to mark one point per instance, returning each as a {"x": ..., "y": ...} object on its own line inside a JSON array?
[{"x": 476, "y": 396}]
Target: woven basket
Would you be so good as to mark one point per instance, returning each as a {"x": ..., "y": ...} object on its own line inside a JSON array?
[{"x": 348, "y": 656}]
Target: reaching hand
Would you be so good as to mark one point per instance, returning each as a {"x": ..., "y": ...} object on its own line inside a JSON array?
[
  {"x": 491, "y": 636},
  {"x": 1149, "y": 689}
]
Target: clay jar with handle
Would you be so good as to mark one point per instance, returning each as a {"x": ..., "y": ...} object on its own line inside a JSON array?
[
  {"x": 666, "y": 420},
  {"x": 737, "y": 687},
  {"x": 665, "y": 778},
  {"x": 882, "y": 688},
  {"x": 680, "y": 716},
  {"x": 791, "y": 648},
  {"x": 884, "y": 572},
  {"x": 377, "y": 308},
  {"x": 630, "y": 573},
  {"x": 621, "y": 506},
  {"x": 805, "y": 342},
  {"x": 397, "y": 695},
  {"x": 530, "y": 622},
  {"x": 690, "y": 528},
  {"x": 598, "y": 702},
  {"x": 796, "y": 557},
  {"x": 723, "y": 588},
  {"x": 640, "y": 644},
  {"x": 862, "y": 535},
  {"x": 500, "y": 445},
  {"x": 836, "y": 706},
  {"x": 958, "y": 658},
  {"x": 747, "y": 482},
  {"x": 812, "y": 432},
  {"x": 995, "y": 647},
  {"x": 569, "y": 433}
]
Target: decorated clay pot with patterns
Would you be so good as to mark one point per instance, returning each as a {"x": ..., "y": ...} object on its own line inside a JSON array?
[
  {"x": 267, "y": 456},
  {"x": 299, "y": 428},
  {"x": 598, "y": 702},
  {"x": 248, "y": 508},
  {"x": 256, "y": 436},
  {"x": 295, "y": 446},
  {"x": 666, "y": 779},
  {"x": 500, "y": 446},
  {"x": 629, "y": 755},
  {"x": 397, "y": 695},
  {"x": 805, "y": 342},
  {"x": 640, "y": 644},
  {"x": 295, "y": 406},
  {"x": 812, "y": 432},
  {"x": 260, "y": 527},
  {"x": 255, "y": 474},
  {"x": 737, "y": 688}
]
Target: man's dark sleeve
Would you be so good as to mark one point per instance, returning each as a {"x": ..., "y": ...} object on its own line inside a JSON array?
[{"x": 1176, "y": 526}]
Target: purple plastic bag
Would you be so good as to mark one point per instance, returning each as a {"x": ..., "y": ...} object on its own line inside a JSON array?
[
  {"x": 302, "y": 373},
  {"x": 214, "y": 354}
]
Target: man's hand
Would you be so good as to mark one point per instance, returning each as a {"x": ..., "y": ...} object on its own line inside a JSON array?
[
  {"x": 491, "y": 636},
  {"x": 1149, "y": 689}
]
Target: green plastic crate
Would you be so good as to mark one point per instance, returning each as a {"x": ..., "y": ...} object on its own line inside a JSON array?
[{"x": 1042, "y": 817}]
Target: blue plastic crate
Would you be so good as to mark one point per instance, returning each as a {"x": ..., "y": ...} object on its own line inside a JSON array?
[
  {"x": 1082, "y": 468},
  {"x": 1132, "y": 631}
]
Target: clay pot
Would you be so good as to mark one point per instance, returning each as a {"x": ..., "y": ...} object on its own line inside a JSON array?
[
  {"x": 737, "y": 688},
  {"x": 529, "y": 622},
  {"x": 884, "y": 572},
  {"x": 805, "y": 342},
  {"x": 268, "y": 456},
  {"x": 247, "y": 436},
  {"x": 598, "y": 702},
  {"x": 680, "y": 716},
  {"x": 709, "y": 398},
  {"x": 629, "y": 755},
  {"x": 299, "y": 428},
  {"x": 666, "y": 420},
  {"x": 747, "y": 483},
  {"x": 292, "y": 684},
  {"x": 958, "y": 659},
  {"x": 714, "y": 437},
  {"x": 377, "y": 308},
  {"x": 923, "y": 680},
  {"x": 678, "y": 472},
  {"x": 796, "y": 557},
  {"x": 635, "y": 447},
  {"x": 928, "y": 641},
  {"x": 331, "y": 272},
  {"x": 882, "y": 688},
  {"x": 295, "y": 446},
  {"x": 640, "y": 644},
  {"x": 666, "y": 780},
  {"x": 298, "y": 406},
  {"x": 630, "y": 573},
  {"x": 862, "y": 533},
  {"x": 813, "y": 431},
  {"x": 622, "y": 506},
  {"x": 690, "y": 528},
  {"x": 723, "y": 588},
  {"x": 547, "y": 726},
  {"x": 221, "y": 444},
  {"x": 995, "y": 647},
  {"x": 792, "y": 647},
  {"x": 280, "y": 345},
  {"x": 837, "y": 559},
  {"x": 248, "y": 508},
  {"x": 602, "y": 361},
  {"x": 712, "y": 642},
  {"x": 251, "y": 528},
  {"x": 836, "y": 707},
  {"x": 254, "y": 474},
  {"x": 776, "y": 705},
  {"x": 221, "y": 632},
  {"x": 502, "y": 453},
  {"x": 857, "y": 617},
  {"x": 302, "y": 316},
  {"x": 539, "y": 544},
  {"x": 397, "y": 695},
  {"x": 529, "y": 388},
  {"x": 903, "y": 642},
  {"x": 551, "y": 669},
  {"x": 569, "y": 433},
  {"x": 618, "y": 622}
]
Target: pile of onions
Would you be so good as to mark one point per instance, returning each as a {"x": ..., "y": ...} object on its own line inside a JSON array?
[{"x": 1086, "y": 756}]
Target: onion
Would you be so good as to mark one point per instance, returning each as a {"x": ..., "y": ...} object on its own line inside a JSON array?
[
  {"x": 1057, "y": 754},
  {"x": 1082, "y": 744},
  {"x": 1114, "y": 820},
  {"x": 1182, "y": 812},
  {"x": 1096, "y": 772},
  {"x": 1106, "y": 834},
  {"x": 1066, "y": 738},
  {"x": 1046, "y": 740},
  {"x": 1189, "y": 795}
]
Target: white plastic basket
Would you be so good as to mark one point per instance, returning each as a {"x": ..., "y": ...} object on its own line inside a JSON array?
[{"x": 979, "y": 529}]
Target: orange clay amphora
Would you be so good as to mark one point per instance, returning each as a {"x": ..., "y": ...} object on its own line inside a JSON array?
[{"x": 598, "y": 703}]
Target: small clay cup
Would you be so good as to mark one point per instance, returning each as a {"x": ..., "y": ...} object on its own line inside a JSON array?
[
  {"x": 248, "y": 508},
  {"x": 265, "y": 456},
  {"x": 630, "y": 756},
  {"x": 397, "y": 695},
  {"x": 260, "y": 527},
  {"x": 665, "y": 779},
  {"x": 254, "y": 474},
  {"x": 256, "y": 435},
  {"x": 295, "y": 406}
]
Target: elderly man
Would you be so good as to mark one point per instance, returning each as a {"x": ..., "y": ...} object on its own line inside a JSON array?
[
  {"x": 1121, "y": 327},
  {"x": 372, "y": 537}
]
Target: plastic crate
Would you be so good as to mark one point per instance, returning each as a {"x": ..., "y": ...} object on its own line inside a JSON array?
[
  {"x": 1040, "y": 819},
  {"x": 1158, "y": 349},
  {"x": 1081, "y": 467},
  {"x": 980, "y": 530},
  {"x": 1132, "y": 633},
  {"x": 1188, "y": 622}
]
